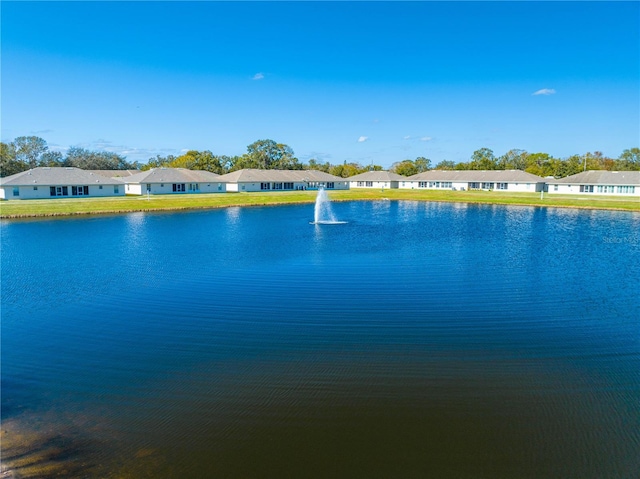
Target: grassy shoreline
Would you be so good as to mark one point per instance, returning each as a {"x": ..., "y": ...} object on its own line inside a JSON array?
[{"x": 128, "y": 204}]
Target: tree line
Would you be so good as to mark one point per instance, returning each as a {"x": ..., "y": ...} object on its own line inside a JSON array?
[{"x": 28, "y": 152}]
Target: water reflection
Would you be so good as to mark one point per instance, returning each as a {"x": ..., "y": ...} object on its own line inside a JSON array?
[{"x": 420, "y": 339}]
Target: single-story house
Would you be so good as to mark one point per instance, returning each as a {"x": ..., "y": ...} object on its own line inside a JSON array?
[
  {"x": 251, "y": 179},
  {"x": 56, "y": 182},
  {"x": 162, "y": 181},
  {"x": 375, "y": 179},
  {"x": 598, "y": 182},
  {"x": 497, "y": 180}
]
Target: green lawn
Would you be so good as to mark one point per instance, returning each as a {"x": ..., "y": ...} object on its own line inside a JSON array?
[{"x": 80, "y": 206}]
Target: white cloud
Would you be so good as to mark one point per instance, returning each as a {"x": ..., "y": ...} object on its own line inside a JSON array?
[
  {"x": 408, "y": 137},
  {"x": 426, "y": 138},
  {"x": 544, "y": 91},
  {"x": 362, "y": 139},
  {"x": 258, "y": 76}
]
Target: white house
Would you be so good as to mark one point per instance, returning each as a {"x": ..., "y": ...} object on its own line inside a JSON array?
[
  {"x": 162, "y": 181},
  {"x": 496, "y": 180},
  {"x": 58, "y": 182},
  {"x": 375, "y": 179},
  {"x": 251, "y": 179},
  {"x": 598, "y": 182}
]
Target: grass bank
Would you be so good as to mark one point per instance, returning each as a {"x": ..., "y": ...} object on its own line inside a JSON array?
[{"x": 127, "y": 204}]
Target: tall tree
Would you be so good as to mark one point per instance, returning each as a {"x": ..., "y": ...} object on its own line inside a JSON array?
[
  {"x": 314, "y": 165},
  {"x": 346, "y": 170},
  {"x": 29, "y": 149},
  {"x": 483, "y": 159},
  {"x": 513, "y": 160},
  {"x": 95, "y": 160},
  {"x": 404, "y": 168},
  {"x": 9, "y": 164},
  {"x": 446, "y": 165},
  {"x": 422, "y": 164},
  {"x": 268, "y": 155},
  {"x": 629, "y": 160}
]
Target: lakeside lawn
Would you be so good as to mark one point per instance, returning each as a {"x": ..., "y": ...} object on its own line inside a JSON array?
[{"x": 83, "y": 206}]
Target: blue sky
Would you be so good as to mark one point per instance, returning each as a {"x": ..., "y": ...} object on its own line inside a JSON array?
[{"x": 370, "y": 82}]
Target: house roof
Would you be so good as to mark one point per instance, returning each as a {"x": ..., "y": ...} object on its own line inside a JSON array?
[
  {"x": 497, "y": 176},
  {"x": 600, "y": 177},
  {"x": 52, "y": 176},
  {"x": 115, "y": 173},
  {"x": 172, "y": 175},
  {"x": 377, "y": 176},
  {"x": 251, "y": 175}
]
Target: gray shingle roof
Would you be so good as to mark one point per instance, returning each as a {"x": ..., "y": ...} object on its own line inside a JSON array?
[
  {"x": 115, "y": 173},
  {"x": 600, "y": 177},
  {"x": 250, "y": 175},
  {"x": 173, "y": 175},
  {"x": 377, "y": 176},
  {"x": 496, "y": 176},
  {"x": 57, "y": 176}
]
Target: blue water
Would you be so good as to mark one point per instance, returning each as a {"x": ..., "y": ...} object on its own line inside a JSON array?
[{"x": 417, "y": 340}]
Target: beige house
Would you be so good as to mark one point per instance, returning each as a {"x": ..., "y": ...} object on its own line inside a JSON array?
[
  {"x": 597, "y": 182},
  {"x": 496, "y": 180},
  {"x": 58, "y": 182},
  {"x": 375, "y": 179},
  {"x": 251, "y": 179}
]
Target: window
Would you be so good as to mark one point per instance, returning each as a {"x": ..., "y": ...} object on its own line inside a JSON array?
[
  {"x": 626, "y": 189},
  {"x": 100, "y": 187},
  {"x": 555, "y": 187},
  {"x": 330, "y": 185},
  {"x": 586, "y": 188},
  {"x": 474, "y": 186},
  {"x": 360, "y": 183},
  {"x": 116, "y": 189},
  {"x": 446, "y": 184},
  {"x": 79, "y": 190},
  {"x": 606, "y": 189},
  {"x": 487, "y": 186},
  {"x": 277, "y": 186},
  {"x": 265, "y": 186},
  {"x": 288, "y": 186},
  {"x": 178, "y": 187},
  {"x": 16, "y": 191},
  {"x": 502, "y": 186},
  {"x": 369, "y": 183},
  {"x": 422, "y": 184},
  {"x": 35, "y": 188},
  {"x": 59, "y": 191},
  {"x": 148, "y": 187},
  {"x": 194, "y": 187}
]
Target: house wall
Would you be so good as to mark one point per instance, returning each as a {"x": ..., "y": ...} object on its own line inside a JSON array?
[
  {"x": 44, "y": 192},
  {"x": 374, "y": 184},
  {"x": 466, "y": 185},
  {"x": 167, "y": 188},
  {"x": 298, "y": 185},
  {"x": 133, "y": 189},
  {"x": 215, "y": 187},
  {"x": 416, "y": 185},
  {"x": 602, "y": 190}
]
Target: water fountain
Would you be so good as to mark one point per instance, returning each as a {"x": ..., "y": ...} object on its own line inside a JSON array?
[{"x": 322, "y": 213}]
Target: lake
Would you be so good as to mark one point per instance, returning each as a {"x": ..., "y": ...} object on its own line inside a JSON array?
[{"x": 416, "y": 340}]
